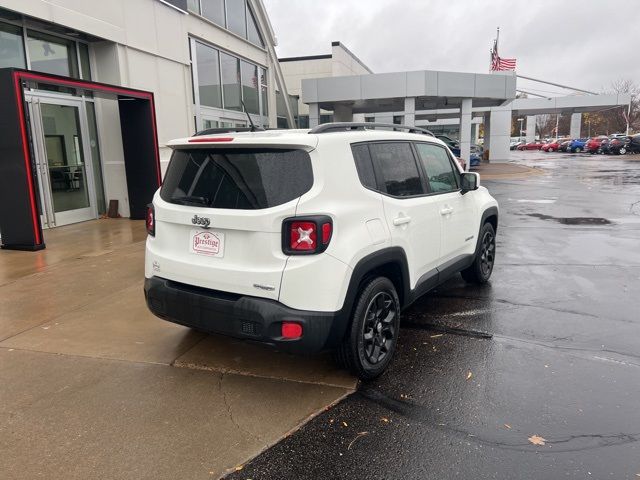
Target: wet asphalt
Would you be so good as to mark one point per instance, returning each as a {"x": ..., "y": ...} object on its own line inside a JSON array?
[{"x": 550, "y": 348}]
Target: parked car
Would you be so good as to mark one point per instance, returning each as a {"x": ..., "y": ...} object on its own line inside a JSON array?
[
  {"x": 631, "y": 145},
  {"x": 564, "y": 146},
  {"x": 604, "y": 145},
  {"x": 577, "y": 145},
  {"x": 593, "y": 144},
  {"x": 475, "y": 158},
  {"x": 515, "y": 145},
  {"x": 553, "y": 145},
  {"x": 536, "y": 145},
  {"x": 616, "y": 146},
  {"x": 309, "y": 241}
]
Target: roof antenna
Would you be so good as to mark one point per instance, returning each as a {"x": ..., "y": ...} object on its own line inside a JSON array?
[{"x": 253, "y": 127}]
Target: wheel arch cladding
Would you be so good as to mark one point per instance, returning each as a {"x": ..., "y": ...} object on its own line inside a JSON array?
[{"x": 391, "y": 263}]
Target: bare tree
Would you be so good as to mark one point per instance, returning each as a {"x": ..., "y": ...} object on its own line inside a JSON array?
[{"x": 613, "y": 120}]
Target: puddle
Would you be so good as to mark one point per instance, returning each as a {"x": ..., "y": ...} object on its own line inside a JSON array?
[{"x": 573, "y": 220}]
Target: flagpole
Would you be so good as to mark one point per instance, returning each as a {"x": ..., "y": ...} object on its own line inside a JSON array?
[
  {"x": 628, "y": 118},
  {"x": 497, "y": 38}
]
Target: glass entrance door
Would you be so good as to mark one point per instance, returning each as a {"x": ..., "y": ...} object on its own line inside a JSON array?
[{"x": 63, "y": 162}]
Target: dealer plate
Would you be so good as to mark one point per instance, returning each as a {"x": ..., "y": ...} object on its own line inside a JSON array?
[{"x": 207, "y": 242}]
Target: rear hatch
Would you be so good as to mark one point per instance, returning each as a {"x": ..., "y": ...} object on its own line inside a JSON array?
[{"x": 219, "y": 214}]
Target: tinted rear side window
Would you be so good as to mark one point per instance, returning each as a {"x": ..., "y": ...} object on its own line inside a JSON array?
[
  {"x": 364, "y": 166},
  {"x": 247, "y": 179},
  {"x": 396, "y": 167}
]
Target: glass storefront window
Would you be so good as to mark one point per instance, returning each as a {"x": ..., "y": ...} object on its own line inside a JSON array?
[
  {"x": 11, "y": 48},
  {"x": 264, "y": 91},
  {"x": 230, "y": 81},
  {"x": 52, "y": 55},
  {"x": 237, "y": 17},
  {"x": 85, "y": 68},
  {"x": 250, "y": 87},
  {"x": 95, "y": 157},
  {"x": 193, "y": 6},
  {"x": 214, "y": 10},
  {"x": 253, "y": 35},
  {"x": 208, "y": 76}
]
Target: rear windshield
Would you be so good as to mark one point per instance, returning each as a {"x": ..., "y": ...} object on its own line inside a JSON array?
[{"x": 247, "y": 179}]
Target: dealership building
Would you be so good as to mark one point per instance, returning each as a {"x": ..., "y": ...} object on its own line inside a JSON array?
[{"x": 92, "y": 93}]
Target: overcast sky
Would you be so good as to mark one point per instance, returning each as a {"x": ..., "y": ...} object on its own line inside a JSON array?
[{"x": 582, "y": 43}]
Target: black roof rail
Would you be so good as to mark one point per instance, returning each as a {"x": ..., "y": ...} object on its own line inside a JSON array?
[
  {"x": 214, "y": 131},
  {"x": 350, "y": 126}
]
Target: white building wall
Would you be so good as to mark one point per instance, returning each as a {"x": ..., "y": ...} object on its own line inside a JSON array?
[
  {"x": 146, "y": 47},
  {"x": 296, "y": 71}
]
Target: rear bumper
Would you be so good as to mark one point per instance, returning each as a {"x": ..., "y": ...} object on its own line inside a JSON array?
[{"x": 239, "y": 316}]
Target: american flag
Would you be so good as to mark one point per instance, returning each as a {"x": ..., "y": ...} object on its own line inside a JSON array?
[{"x": 498, "y": 63}]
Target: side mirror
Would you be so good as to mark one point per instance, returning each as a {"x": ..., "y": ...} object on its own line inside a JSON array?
[{"x": 470, "y": 181}]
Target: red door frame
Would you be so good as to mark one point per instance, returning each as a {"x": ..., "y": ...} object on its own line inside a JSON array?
[{"x": 25, "y": 75}]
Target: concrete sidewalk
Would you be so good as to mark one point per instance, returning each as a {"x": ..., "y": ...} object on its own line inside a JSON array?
[{"x": 94, "y": 386}]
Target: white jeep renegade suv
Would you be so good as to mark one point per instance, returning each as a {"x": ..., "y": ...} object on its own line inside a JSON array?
[{"x": 313, "y": 240}]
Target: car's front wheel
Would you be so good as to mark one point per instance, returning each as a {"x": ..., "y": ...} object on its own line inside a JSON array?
[
  {"x": 622, "y": 151},
  {"x": 482, "y": 266},
  {"x": 373, "y": 334}
]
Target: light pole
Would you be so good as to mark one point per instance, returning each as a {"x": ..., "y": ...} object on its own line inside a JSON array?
[{"x": 520, "y": 120}]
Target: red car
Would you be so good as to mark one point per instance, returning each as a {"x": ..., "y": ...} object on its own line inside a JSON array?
[
  {"x": 531, "y": 146},
  {"x": 553, "y": 145},
  {"x": 594, "y": 144}
]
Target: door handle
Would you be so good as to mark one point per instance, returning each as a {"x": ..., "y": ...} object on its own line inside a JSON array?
[
  {"x": 402, "y": 220},
  {"x": 446, "y": 211}
]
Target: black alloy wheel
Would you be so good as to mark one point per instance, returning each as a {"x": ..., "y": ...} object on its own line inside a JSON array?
[
  {"x": 371, "y": 339},
  {"x": 482, "y": 267},
  {"x": 378, "y": 330}
]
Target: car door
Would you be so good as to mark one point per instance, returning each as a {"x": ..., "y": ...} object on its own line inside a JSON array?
[
  {"x": 412, "y": 216},
  {"x": 458, "y": 213}
]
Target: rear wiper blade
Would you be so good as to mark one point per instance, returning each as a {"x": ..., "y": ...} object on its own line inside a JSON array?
[{"x": 191, "y": 200}]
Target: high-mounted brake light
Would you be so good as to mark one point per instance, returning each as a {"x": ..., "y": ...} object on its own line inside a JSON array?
[
  {"x": 150, "y": 220},
  {"x": 306, "y": 235},
  {"x": 210, "y": 139}
]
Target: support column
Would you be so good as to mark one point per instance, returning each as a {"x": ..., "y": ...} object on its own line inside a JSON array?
[
  {"x": 465, "y": 130},
  {"x": 530, "y": 132},
  {"x": 487, "y": 128},
  {"x": 342, "y": 113},
  {"x": 576, "y": 123},
  {"x": 410, "y": 111},
  {"x": 314, "y": 115},
  {"x": 499, "y": 134}
]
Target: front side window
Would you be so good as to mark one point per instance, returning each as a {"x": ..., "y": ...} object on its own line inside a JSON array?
[
  {"x": 11, "y": 49},
  {"x": 54, "y": 55},
  {"x": 437, "y": 165},
  {"x": 247, "y": 179},
  {"x": 396, "y": 167}
]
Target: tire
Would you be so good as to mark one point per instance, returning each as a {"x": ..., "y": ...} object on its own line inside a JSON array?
[
  {"x": 622, "y": 151},
  {"x": 578, "y": 150},
  {"x": 480, "y": 270},
  {"x": 372, "y": 336}
]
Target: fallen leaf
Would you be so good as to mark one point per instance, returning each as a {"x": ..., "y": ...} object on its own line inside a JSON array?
[
  {"x": 385, "y": 419},
  {"x": 239, "y": 467},
  {"x": 345, "y": 424},
  {"x": 508, "y": 426},
  {"x": 469, "y": 375},
  {"x": 436, "y": 336},
  {"x": 536, "y": 440},
  {"x": 359, "y": 435}
]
